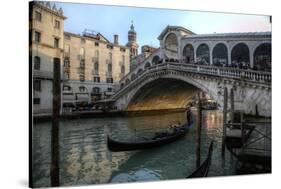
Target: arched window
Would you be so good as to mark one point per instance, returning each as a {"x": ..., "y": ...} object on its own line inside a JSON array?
[
  {"x": 96, "y": 66},
  {"x": 66, "y": 88},
  {"x": 220, "y": 55},
  {"x": 147, "y": 65},
  {"x": 96, "y": 90},
  {"x": 188, "y": 53},
  {"x": 82, "y": 89},
  {"x": 140, "y": 71},
  {"x": 109, "y": 67},
  {"x": 127, "y": 81},
  {"x": 203, "y": 54},
  {"x": 171, "y": 43},
  {"x": 155, "y": 60},
  {"x": 37, "y": 62},
  {"x": 133, "y": 76},
  {"x": 262, "y": 57},
  {"x": 240, "y": 56},
  {"x": 123, "y": 69}
]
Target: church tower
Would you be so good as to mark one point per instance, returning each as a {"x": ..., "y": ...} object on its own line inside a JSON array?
[{"x": 132, "y": 41}]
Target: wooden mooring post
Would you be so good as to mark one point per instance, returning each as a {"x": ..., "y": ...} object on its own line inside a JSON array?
[
  {"x": 225, "y": 101},
  {"x": 232, "y": 105},
  {"x": 198, "y": 131},
  {"x": 54, "y": 172}
]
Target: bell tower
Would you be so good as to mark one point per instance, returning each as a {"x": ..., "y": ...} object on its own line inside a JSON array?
[{"x": 132, "y": 41}]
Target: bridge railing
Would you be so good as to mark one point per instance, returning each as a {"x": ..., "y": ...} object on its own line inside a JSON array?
[{"x": 226, "y": 72}]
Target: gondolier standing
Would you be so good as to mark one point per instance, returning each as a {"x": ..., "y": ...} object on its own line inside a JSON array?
[{"x": 188, "y": 114}]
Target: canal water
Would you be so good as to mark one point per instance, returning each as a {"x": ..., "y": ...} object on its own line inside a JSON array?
[{"x": 85, "y": 159}]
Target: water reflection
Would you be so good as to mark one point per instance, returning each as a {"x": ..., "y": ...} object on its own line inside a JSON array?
[{"x": 85, "y": 158}]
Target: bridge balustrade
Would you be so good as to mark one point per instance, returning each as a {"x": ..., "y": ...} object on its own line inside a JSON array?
[{"x": 225, "y": 72}]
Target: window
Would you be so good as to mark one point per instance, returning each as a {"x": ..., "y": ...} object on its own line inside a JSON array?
[
  {"x": 67, "y": 49},
  {"x": 97, "y": 79},
  {"x": 66, "y": 88},
  {"x": 123, "y": 59},
  {"x": 96, "y": 44},
  {"x": 82, "y": 89},
  {"x": 110, "y": 56},
  {"x": 109, "y": 80},
  {"x": 37, "y": 37},
  {"x": 82, "y": 52},
  {"x": 96, "y": 66},
  {"x": 123, "y": 69},
  {"x": 83, "y": 41},
  {"x": 56, "y": 43},
  {"x": 109, "y": 89},
  {"x": 36, "y": 100},
  {"x": 57, "y": 24},
  {"x": 38, "y": 16},
  {"x": 122, "y": 49},
  {"x": 36, "y": 63},
  {"x": 109, "y": 67},
  {"x": 37, "y": 85},
  {"x": 96, "y": 53},
  {"x": 109, "y": 46},
  {"x": 66, "y": 62}
]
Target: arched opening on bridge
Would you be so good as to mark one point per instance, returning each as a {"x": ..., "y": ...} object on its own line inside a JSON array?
[
  {"x": 127, "y": 81},
  {"x": 122, "y": 85},
  {"x": 133, "y": 77},
  {"x": 156, "y": 60},
  {"x": 147, "y": 65},
  {"x": 240, "y": 57},
  {"x": 220, "y": 55},
  {"x": 262, "y": 57},
  {"x": 203, "y": 54},
  {"x": 140, "y": 71},
  {"x": 171, "y": 43},
  {"x": 188, "y": 54},
  {"x": 163, "y": 94}
]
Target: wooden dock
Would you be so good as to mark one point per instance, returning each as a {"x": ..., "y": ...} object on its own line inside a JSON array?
[{"x": 256, "y": 149}]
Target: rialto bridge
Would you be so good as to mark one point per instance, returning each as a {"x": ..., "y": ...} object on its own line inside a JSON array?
[{"x": 187, "y": 63}]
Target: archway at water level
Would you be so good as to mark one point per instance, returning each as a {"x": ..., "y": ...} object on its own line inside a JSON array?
[{"x": 163, "y": 94}]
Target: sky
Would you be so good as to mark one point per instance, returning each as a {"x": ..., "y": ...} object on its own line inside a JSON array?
[{"x": 150, "y": 22}]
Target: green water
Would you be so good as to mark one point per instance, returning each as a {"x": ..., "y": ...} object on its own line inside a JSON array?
[{"x": 85, "y": 159}]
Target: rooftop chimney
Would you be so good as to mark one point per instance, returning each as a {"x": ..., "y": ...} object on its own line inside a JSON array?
[{"x": 115, "y": 39}]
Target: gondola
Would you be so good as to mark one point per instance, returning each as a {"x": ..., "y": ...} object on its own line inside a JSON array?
[
  {"x": 157, "y": 140},
  {"x": 203, "y": 169}
]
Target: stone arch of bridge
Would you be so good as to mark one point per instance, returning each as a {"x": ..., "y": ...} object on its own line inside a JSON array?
[{"x": 173, "y": 76}]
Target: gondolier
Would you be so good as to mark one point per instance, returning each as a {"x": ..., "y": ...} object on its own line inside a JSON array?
[{"x": 188, "y": 115}]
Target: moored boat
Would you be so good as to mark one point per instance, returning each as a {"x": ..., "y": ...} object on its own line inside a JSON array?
[
  {"x": 203, "y": 169},
  {"x": 157, "y": 140}
]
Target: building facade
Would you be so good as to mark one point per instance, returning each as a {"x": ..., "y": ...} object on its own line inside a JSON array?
[
  {"x": 46, "y": 43},
  {"x": 91, "y": 65}
]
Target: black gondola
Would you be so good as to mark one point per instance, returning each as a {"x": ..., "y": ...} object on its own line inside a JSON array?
[
  {"x": 203, "y": 170},
  {"x": 157, "y": 140}
]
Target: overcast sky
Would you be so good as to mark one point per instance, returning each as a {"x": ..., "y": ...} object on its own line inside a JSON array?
[{"x": 149, "y": 23}]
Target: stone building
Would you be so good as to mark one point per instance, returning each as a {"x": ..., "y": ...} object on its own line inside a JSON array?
[
  {"x": 46, "y": 43},
  {"x": 93, "y": 66}
]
